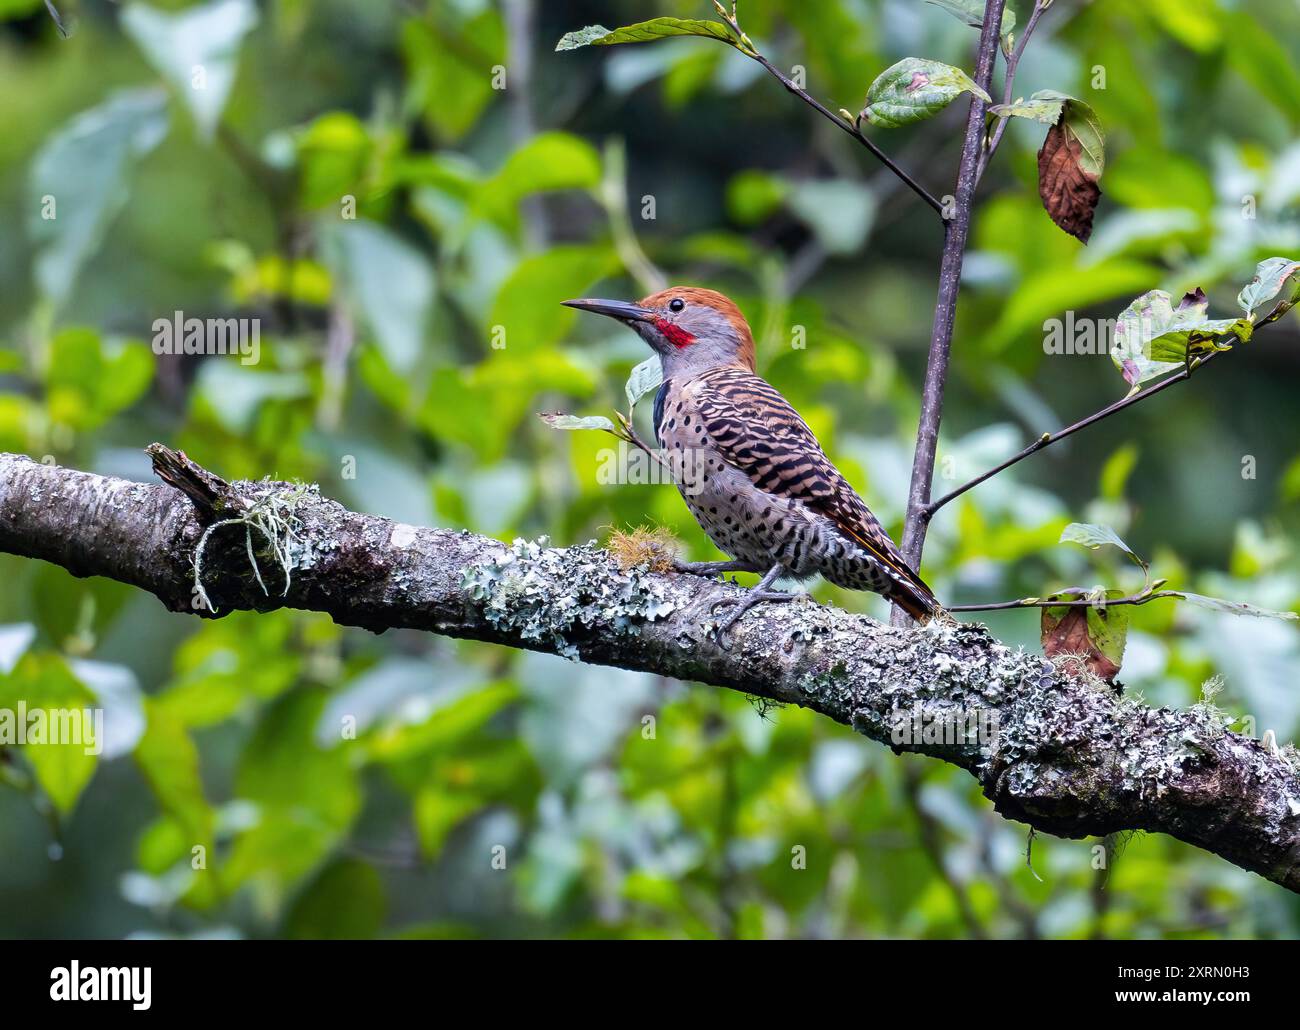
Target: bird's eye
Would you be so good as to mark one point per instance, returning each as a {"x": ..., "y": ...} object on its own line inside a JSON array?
[{"x": 676, "y": 304}]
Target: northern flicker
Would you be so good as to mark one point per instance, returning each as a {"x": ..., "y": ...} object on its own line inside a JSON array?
[{"x": 748, "y": 467}]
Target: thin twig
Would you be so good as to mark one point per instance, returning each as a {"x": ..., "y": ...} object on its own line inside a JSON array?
[
  {"x": 1029, "y": 853},
  {"x": 1038, "y": 602},
  {"x": 1047, "y": 439},
  {"x": 631, "y": 436},
  {"x": 853, "y": 131},
  {"x": 1013, "y": 61},
  {"x": 846, "y": 126}
]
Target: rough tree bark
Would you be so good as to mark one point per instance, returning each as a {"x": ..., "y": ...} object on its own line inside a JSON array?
[{"x": 1068, "y": 757}]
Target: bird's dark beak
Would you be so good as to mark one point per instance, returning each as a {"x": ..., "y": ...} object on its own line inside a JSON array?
[{"x": 624, "y": 311}]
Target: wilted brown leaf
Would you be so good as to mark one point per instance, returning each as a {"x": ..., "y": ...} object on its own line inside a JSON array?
[
  {"x": 1094, "y": 635},
  {"x": 1069, "y": 191}
]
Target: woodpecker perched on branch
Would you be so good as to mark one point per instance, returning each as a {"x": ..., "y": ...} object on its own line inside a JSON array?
[{"x": 748, "y": 467}]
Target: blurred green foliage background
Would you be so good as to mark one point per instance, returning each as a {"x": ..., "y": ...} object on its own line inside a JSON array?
[{"x": 481, "y": 207}]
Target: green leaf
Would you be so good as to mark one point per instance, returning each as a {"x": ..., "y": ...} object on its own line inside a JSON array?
[
  {"x": 527, "y": 307},
  {"x": 78, "y": 182},
  {"x": 63, "y": 760},
  {"x": 169, "y": 760},
  {"x": 17, "y": 417},
  {"x": 1271, "y": 276},
  {"x": 196, "y": 50},
  {"x": 1080, "y": 121},
  {"x": 1233, "y": 607},
  {"x": 128, "y": 371},
  {"x": 90, "y": 379},
  {"x": 915, "y": 89},
  {"x": 231, "y": 664},
  {"x": 456, "y": 719},
  {"x": 1094, "y": 535},
  {"x": 334, "y": 154},
  {"x": 1043, "y": 295},
  {"x": 1048, "y": 106},
  {"x": 307, "y": 796},
  {"x": 644, "y": 32},
  {"x": 551, "y": 161},
  {"x": 972, "y": 13},
  {"x": 1259, "y": 55},
  {"x": 645, "y": 377},
  {"x": 437, "y": 811},
  {"x": 386, "y": 280},
  {"x": 754, "y": 195},
  {"x": 235, "y": 394},
  {"x": 1114, "y": 474},
  {"x": 448, "y": 59},
  {"x": 559, "y": 420},
  {"x": 161, "y": 846},
  {"x": 1153, "y": 337},
  {"x": 1044, "y": 106}
]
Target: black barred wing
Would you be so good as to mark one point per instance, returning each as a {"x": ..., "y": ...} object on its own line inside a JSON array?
[{"x": 757, "y": 431}]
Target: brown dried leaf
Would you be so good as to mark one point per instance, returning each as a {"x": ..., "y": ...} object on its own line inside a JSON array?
[
  {"x": 1070, "y": 192},
  {"x": 1094, "y": 636}
]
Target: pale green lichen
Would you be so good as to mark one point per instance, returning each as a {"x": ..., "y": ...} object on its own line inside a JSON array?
[
  {"x": 550, "y": 595},
  {"x": 831, "y": 682},
  {"x": 1207, "y": 711},
  {"x": 274, "y": 516},
  {"x": 955, "y": 672}
]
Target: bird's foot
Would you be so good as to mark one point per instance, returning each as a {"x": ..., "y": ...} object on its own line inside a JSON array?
[
  {"x": 748, "y": 600},
  {"x": 712, "y": 569}
]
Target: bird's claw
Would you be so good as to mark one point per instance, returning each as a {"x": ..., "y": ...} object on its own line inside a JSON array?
[{"x": 743, "y": 604}]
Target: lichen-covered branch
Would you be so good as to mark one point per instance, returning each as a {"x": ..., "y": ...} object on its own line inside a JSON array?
[{"x": 1067, "y": 757}]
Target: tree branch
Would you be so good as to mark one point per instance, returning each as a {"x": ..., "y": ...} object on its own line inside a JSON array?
[
  {"x": 956, "y": 231},
  {"x": 1066, "y": 757}
]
